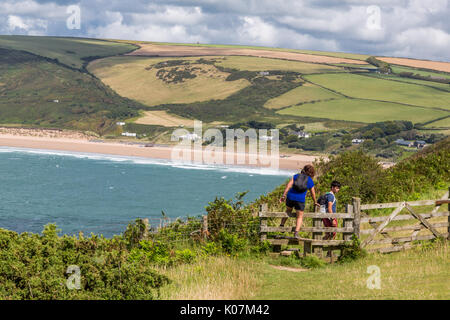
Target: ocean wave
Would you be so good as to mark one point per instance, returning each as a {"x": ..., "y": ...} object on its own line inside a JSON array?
[{"x": 148, "y": 161}]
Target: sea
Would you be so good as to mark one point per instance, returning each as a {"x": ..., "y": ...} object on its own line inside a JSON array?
[{"x": 102, "y": 194}]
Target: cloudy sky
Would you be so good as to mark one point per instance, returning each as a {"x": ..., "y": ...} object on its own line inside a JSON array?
[{"x": 406, "y": 28}]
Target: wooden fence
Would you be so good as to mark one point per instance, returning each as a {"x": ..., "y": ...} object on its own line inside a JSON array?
[{"x": 356, "y": 218}]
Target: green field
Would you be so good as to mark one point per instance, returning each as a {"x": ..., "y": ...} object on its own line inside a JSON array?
[
  {"x": 444, "y": 123},
  {"x": 358, "y": 86},
  {"x": 129, "y": 77},
  {"x": 72, "y": 52},
  {"x": 305, "y": 93},
  {"x": 392, "y": 77},
  {"x": 363, "y": 111},
  {"x": 267, "y": 64},
  {"x": 398, "y": 69}
]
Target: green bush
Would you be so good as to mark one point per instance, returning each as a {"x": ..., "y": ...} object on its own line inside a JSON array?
[
  {"x": 353, "y": 251},
  {"x": 312, "y": 262},
  {"x": 231, "y": 243},
  {"x": 211, "y": 249},
  {"x": 34, "y": 266}
]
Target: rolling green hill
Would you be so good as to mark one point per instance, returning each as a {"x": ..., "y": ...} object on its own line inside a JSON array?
[
  {"x": 222, "y": 89},
  {"x": 73, "y": 52},
  {"x": 36, "y": 91}
]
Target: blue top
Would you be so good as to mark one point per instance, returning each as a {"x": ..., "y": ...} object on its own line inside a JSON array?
[
  {"x": 330, "y": 198},
  {"x": 293, "y": 195}
]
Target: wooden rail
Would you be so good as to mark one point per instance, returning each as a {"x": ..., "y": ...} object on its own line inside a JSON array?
[{"x": 356, "y": 217}]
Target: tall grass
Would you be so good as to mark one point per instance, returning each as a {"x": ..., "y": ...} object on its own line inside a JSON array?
[
  {"x": 421, "y": 273},
  {"x": 212, "y": 278}
]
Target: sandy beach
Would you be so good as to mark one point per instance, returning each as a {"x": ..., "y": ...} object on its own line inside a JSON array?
[{"x": 76, "y": 142}]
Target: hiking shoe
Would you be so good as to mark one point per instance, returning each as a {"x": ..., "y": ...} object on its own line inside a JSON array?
[{"x": 296, "y": 236}]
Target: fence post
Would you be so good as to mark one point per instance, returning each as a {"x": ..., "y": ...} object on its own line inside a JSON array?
[
  {"x": 146, "y": 228},
  {"x": 357, "y": 218},
  {"x": 205, "y": 227},
  {"x": 317, "y": 223},
  {"x": 448, "y": 218},
  {"x": 348, "y": 223},
  {"x": 264, "y": 208}
]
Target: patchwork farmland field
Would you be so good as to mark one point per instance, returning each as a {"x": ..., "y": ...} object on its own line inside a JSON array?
[
  {"x": 358, "y": 86},
  {"x": 266, "y": 64},
  {"x": 132, "y": 77},
  {"x": 162, "y": 118},
  {"x": 363, "y": 111},
  {"x": 305, "y": 93},
  {"x": 215, "y": 83},
  {"x": 73, "y": 52},
  {"x": 162, "y": 50},
  {"x": 399, "y": 69},
  {"x": 430, "y": 84},
  {"x": 425, "y": 64},
  {"x": 444, "y": 123}
]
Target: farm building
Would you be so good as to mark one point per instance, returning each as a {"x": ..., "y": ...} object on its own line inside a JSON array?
[{"x": 404, "y": 143}]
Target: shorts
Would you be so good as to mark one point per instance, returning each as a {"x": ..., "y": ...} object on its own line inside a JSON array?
[
  {"x": 300, "y": 206},
  {"x": 329, "y": 224}
]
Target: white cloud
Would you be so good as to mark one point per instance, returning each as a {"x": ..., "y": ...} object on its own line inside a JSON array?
[{"x": 412, "y": 28}]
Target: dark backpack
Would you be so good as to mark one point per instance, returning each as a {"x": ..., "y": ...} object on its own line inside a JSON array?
[
  {"x": 301, "y": 183},
  {"x": 323, "y": 201}
]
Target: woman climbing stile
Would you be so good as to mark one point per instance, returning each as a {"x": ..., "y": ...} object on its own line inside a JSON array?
[{"x": 295, "y": 195}]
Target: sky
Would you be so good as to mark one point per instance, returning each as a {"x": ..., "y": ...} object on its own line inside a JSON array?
[{"x": 404, "y": 28}]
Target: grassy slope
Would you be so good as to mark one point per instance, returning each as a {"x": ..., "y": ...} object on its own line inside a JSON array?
[
  {"x": 267, "y": 64},
  {"x": 313, "y": 52},
  {"x": 398, "y": 69},
  {"x": 306, "y": 93},
  {"x": 69, "y": 51},
  {"x": 364, "y": 111},
  {"x": 445, "y": 123},
  {"x": 29, "y": 84},
  {"x": 226, "y": 278},
  {"x": 429, "y": 279},
  {"x": 129, "y": 77},
  {"x": 358, "y": 86}
]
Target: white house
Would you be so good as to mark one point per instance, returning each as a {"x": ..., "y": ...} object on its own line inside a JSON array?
[
  {"x": 129, "y": 134},
  {"x": 357, "y": 141},
  {"x": 303, "y": 134},
  {"x": 190, "y": 136},
  {"x": 120, "y": 123}
]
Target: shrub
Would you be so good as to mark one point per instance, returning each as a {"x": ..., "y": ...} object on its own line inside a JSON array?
[
  {"x": 231, "y": 243},
  {"x": 312, "y": 262},
  {"x": 211, "y": 249},
  {"x": 353, "y": 251},
  {"x": 35, "y": 266}
]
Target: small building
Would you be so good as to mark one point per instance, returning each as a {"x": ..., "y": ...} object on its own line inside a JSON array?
[
  {"x": 191, "y": 137},
  {"x": 56, "y": 101},
  {"x": 303, "y": 134},
  {"x": 264, "y": 73},
  {"x": 357, "y": 141},
  {"x": 420, "y": 144},
  {"x": 404, "y": 143},
  {"x": 120, "y": 124},
  {"x": 129, "y": 134}
]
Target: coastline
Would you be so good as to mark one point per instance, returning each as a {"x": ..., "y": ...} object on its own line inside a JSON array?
[{"x": 288, "y": 162}]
